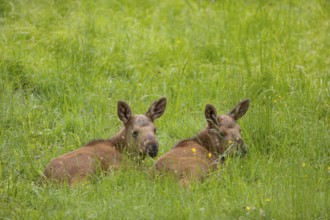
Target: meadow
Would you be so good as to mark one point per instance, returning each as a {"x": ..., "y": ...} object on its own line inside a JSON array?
[{"x": 65, "y": 64}]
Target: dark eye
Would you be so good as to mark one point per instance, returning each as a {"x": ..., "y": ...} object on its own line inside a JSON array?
[
  {"x": 155, "y": 130},
  {"x": 135, "y": 134}
]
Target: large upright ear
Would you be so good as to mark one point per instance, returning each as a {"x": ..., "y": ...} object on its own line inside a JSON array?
[
  {"x": 211, "y": 115},
  {"x": 240, "y": 109},
  {"x": 124, "y": 111},
  {"x": 157, "y": 109}
]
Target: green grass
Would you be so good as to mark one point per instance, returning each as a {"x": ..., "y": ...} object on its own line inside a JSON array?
[{"x": 64, "y": 65}]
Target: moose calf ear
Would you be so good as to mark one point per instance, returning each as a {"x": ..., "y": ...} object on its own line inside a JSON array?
[
  {"x": 240, "y": 109},
  {"x": 157, "y": 109},
  {"x": 124, "y": 111},
  {"x": 211, "y": 115}
]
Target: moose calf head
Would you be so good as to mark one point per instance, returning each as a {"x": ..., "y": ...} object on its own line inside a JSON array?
[
  {"x": 140, "y": 131},
  {"x": 223, "y": 130}
]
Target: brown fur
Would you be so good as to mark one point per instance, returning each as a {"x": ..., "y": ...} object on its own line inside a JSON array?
[
  {"x": 196, "y": 157},
  {"x": 136, "y": 139}
]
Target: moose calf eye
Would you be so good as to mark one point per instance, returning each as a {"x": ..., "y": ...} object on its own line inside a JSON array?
[{"x": 135, "y": 134}]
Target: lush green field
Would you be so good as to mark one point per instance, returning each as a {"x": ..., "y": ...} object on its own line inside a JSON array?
[{"x": 64, "y": 65}]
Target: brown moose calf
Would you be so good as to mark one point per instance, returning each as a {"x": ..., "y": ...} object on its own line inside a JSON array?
[
  {"x": 137, "y": 139},
  {"x": 195, "y": 157}
]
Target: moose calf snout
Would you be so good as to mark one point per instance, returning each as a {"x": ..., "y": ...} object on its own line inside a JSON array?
[
  {"x": 239, "y": 141},
  {"x": 153, "y": 150},
  {"x": 244, "y": 149},
  {"x": 241, "y": 146}
]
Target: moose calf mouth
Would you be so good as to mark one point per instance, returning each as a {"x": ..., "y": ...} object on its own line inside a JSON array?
[{"x": 244, "y": 150}]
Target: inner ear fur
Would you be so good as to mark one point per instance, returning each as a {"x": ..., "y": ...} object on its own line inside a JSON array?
[
  {"x": 240, "y": 109},
  {"x": 211, "y": 115},
  {"x": 124, "y": 112},
  {"x": 157, "y": 109}
]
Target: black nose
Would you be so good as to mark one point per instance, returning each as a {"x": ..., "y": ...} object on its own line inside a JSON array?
[{"x": 153, "y": 150}]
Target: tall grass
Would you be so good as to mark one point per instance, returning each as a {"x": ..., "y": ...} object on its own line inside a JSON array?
[{"x": 64, "y": 65}]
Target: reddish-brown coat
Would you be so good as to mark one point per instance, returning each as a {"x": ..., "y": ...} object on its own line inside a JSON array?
[
  {"x": 137, "y": 139},
  {"x": 196, "y": 157}
]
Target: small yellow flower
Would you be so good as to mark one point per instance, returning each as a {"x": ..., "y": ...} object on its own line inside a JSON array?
[
  {"x": 275, "y": 101},
  {"x": 248, "y": 208},
  {"x": 329, "y": 168},
  {"x": 209, "y": 155},
  {"x": 303, "y": 164},
  {"x": 267, "y": 200},
  {"x": 230, "y": 142},
  {"x": 193, "y": 150}
]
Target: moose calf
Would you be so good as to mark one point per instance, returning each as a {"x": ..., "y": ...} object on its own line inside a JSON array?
[
  {"x": 194, "y": 158},
  {"x": 137, "y": 138}
]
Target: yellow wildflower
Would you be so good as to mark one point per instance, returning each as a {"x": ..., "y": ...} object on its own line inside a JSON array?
[
  {"x": 267, "y": 200},
  {"x": 209, "y": 155},
  {"x": 230, "y": 142},
  {"x": 193, "y": 150},
  {"x": 303, "y": 164},
  {"x": 248, "y": 208}
]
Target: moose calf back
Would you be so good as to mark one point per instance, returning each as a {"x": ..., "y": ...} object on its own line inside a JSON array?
[
  {"x": 187, "y": 160},
  {"x": 76, "y": 166}
]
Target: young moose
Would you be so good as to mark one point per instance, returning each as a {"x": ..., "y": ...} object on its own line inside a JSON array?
[
  {"x": 195, "y": 157},
  {"x": 137, "y": 138}
]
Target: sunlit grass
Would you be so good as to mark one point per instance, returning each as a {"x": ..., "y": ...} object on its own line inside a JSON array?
[{"x": 65, "y": 64}]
